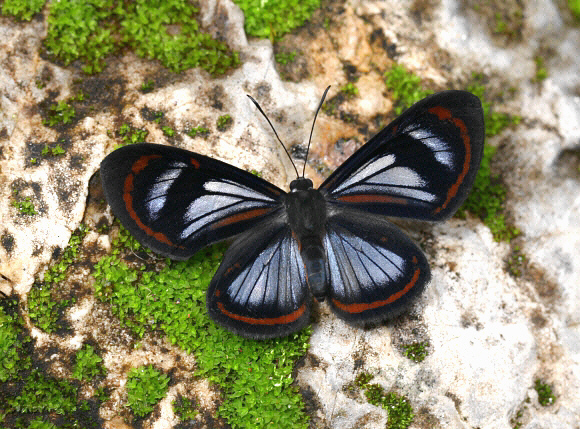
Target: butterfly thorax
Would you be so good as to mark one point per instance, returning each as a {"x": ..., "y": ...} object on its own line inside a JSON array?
[{"x": 306, "y": 216}]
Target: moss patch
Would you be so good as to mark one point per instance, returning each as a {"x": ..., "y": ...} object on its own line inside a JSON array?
[
  {"x": 23, "y": 10},
  {"x": 166, "y": 30},
  {"x": 406, "y": 87},
  {"x": 545, "y": 395},
  {"x": 574, "y": 6},
  {"x": 91, "y": 30},
  {"x": 145, "y": 387},
  {"x": 44, "y": 306},
  {"x": 272, "y": 19},
  {"x": 487, "y": 197},
  {"x": 131, "y": 135},
  {"x": 13, "y": 358},
  {"x": 417, "y": 352},
  {"x": 255, "y": 377},
  {"x": 399, "y": 411},
  {"x": 486, "y": 200},
  {"x": 88, "y": 364}
]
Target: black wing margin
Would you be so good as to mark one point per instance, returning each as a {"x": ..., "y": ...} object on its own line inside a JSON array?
[
  {"x": 375, "y": 269},
  {"x": 259, "y": 291},
  {"x": 420, "y": 166},
  {"x": 176, "y": 202}
]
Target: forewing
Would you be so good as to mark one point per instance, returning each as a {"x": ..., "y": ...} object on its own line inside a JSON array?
[
  {"x": 259, "y": 290},
  {"x": 176, "y": 202},
  {"x": 375, "y": 269},
  {"x": 420, "y": 166}
]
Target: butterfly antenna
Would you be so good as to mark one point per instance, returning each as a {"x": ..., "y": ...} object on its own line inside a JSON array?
[
  {"x": 273, "y": 129},
  {"x": 312, "y": 130}
]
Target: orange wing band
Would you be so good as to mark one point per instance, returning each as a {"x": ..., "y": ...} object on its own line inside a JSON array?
[{"x": 360, "y": 307}]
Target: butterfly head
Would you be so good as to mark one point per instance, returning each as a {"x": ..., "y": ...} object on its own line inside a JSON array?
[{"x": 301, "y": 184}]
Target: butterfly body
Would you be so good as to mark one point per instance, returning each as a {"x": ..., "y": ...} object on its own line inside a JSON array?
[
  {"x": 306, "y": 214},
  {"x": 333, "y": 243}
]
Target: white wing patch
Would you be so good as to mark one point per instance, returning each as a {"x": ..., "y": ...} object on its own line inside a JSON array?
[
  {"x": 368, "y": 169},
  {"x": 157, "y": 195},
  {"x": 441, "y": 149},
  {"x": 211, "y": 208},
  {"x": 400, "y": 176},
  {"x": 402, "y": 181},
  {"x": 275, "y": 278},
  {"x": 357, "y": 266},
  {"x": 232, "y": 188}
]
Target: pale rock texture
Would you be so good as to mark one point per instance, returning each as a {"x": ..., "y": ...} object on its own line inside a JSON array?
[{"x": 490, "y": 335}]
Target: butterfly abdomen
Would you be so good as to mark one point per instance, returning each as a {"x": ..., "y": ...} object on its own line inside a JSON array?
[
  {"x": 306, "y": 216},
  {"x": 314, "y": 258}
]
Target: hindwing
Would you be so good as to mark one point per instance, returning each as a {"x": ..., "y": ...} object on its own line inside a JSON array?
[
  {"x": 260, "y": 289},
  {"x": 375, "y": 270}
]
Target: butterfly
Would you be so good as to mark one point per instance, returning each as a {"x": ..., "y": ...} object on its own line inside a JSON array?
[{"x": 334, "y": 243}]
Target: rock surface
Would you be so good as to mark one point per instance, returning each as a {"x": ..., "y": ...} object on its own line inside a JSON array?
[{"x": 490, "y": 334}]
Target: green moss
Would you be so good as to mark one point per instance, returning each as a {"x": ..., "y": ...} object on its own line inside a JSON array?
[
  {"x": 31, "y": 398},
  {"x": 81, "y": 30},
  {"x": 60, "y": 113},
  {"x": 224, "y": 122},
  {"x": 39, "y": 423},
  {"x": 43, "y": 309},
  {"x": 545, "y": 395},
  {"x": 255, "y": 377},
  {"x": 500, "y": 24},
  {"x": 147, "y": 86},
  {"x": 330, "y": 106},
  {"x": 515, "y": 421},
  {"x": 201, "y": 131},
  {"x": 399, "y": 411},
  {"x": 363, "y": 379},
  {"x": 541, "y": 71},
  {"x": 516, "y": 261},
  {"x": 350, "y": 90},
  {"x": 88, "y": 364},
  {"x": 417, "y": 352},
  {"x": 146, "y": 386},
  {"x": 56, "y": 150},
  {"x": 145, "y": 25},
  {"x": 168, "y": 131},
  {"x": 91, "y": 30},
  {"x": 21, "y": 9},
  {"x": 157, "y": 120},
  {"x": 184, "y": 409},
  {"x": 56, "y": 273},
  {"x": 405, "y": 86},
  {"x": 12, "y": 342},
  {"x": 131, "y": 135},
  {"x": 574, "y": 6},
  {"x": 487, "y": 198},
  {"x": 41, "y": 393},
  {"x": 272, "y": 19},
  {"x": 285, "y": 57},
  {"x": 25, "y": 206}
]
